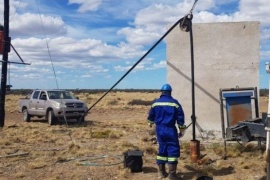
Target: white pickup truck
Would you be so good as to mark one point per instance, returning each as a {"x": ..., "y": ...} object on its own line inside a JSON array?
[{"x": 53, "y": 105}]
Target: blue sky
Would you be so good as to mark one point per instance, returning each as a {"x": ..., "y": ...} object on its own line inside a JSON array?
[{"x": 92, "y": 44}]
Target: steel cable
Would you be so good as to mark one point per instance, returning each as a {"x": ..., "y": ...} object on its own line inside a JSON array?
[{"x": 50, "y": 58}]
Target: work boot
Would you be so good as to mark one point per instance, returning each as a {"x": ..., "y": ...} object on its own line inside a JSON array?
[
  {"x": 172, "y": 172},
  {"x": 162, "y": 171}
]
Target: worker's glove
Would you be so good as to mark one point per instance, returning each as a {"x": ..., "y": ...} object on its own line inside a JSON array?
[{"x": 182, "y": 130}]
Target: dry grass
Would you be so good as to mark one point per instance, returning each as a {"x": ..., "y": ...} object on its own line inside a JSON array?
[
  {"x": 119, "y": 99},
  {"x": 117, "y": 124}
]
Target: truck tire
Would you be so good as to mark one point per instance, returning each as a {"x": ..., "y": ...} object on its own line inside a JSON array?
[
  {"x": 26, "y": 115},
  {"x": 51, "y": 117}
]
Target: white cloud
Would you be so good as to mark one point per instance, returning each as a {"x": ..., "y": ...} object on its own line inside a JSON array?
[
  {"x": 205, "y": 16},
  {"x": 265, "y": 36},
  {"x": 122, "y": 68},
  {"x": 89, "y": 5},
  {"x": 204, "y": 5},
  {"x": 103, "y": 33},
  {"x": 65, "y": 49},
  {"x": 138, "y": 36},
  {"x": 256, "y": 10},
  {"x": 148, "y": 64},
  {"x": 265, "y": 55},
  {"x": 33, "y": 24},
  {"x": 249, "y": 10},
  {"x": 86, "y": 76},
  {"x": 139, "y": 67},
  {"x": 151, "y": 22},
  {"x": 161, "y": 64}
]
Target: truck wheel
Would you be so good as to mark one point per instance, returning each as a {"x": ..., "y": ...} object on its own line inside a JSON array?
[
  {"x": 51, "y": 118},
  {"x": 26, "y": 116}
]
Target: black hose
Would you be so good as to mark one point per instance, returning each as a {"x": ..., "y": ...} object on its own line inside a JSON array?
[{"x": 134, "y": 65}]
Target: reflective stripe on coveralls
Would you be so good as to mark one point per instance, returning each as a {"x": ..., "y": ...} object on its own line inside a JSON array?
[
  {"x": 172, "y": 159},
  {"x": 167, "y": 158},
  {"x": 162, "y": 158},
  {"x": 165, "y": 104}
]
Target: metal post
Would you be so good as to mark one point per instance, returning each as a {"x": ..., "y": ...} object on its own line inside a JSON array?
[
  {"x": 256, "y": 102},
  {"x": 223, "y": 124},
  {"x": 186, "y": 25},
  {"x": 193, "y": 116},
  {"x": 6, "y": 46},
  {"x": 222, "y": 114},
  {"x": 267, "y": 153}
]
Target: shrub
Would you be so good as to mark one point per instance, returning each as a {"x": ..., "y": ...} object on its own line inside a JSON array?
[
  {"x": 140, "y": 102},
  {"x": 101, "y": 134},
  {"x": 151, "y": 150},
  {"x": 113, "y": 102}
]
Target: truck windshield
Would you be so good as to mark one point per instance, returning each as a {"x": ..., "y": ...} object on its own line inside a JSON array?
[{"x": 60, "y": 95}]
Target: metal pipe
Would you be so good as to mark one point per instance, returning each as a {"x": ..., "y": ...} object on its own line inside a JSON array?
[
  {"x": 14, "y": 62},
  {"x": 256, "y": 102},
  {"x": 238, "y": 89},
  {"x": 193, "y": 116},
  {"x": 268, "y": 153},
  {"x": 223, "y": 124},
  {"x": 6, "y": 47},
  {"x": 194, "y": 151},
  {"x": 222, "y": 114}
]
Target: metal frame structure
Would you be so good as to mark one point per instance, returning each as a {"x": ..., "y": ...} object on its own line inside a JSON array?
[{"x": 244, "y": 130}]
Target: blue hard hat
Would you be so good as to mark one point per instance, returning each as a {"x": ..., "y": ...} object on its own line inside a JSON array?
[{"x": 166, "y": 87}]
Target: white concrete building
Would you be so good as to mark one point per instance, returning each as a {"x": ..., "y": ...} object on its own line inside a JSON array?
[{"x": 226, "y": 55}]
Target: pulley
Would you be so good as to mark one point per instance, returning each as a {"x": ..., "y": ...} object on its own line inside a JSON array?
[{"x": 185, "y": 23}]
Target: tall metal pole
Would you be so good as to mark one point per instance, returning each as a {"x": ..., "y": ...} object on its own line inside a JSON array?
[
  {"x": 6, "y": 47},
  {"x": 186, "y": 25},
  {"x": 194, "y": 144},
  {"x": 193, "y": 116}
]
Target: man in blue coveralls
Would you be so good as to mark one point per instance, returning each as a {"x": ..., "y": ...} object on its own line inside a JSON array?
[{"x": 165, "y": 113}]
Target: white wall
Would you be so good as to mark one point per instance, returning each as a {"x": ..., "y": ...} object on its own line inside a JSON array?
[{"x": 226, "y": 55}]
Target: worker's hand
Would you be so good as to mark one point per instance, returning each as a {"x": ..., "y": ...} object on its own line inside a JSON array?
[{"x": 182, "y": 130}]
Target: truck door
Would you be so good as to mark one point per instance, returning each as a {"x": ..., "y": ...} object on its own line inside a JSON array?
[
  {"x": 33, "y": 102},
  {"x": 41, "y": 103}
]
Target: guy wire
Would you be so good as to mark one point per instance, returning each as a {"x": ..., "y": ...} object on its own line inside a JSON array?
[{"x": 47, "y": 44}]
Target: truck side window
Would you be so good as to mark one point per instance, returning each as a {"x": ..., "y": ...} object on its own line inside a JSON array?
[
  {"x": 35, "y": 95},
  {"x": 43, "y": 95}
]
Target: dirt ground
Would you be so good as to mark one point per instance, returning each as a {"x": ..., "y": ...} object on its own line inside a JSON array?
[{"x": 94, "y": 150}]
